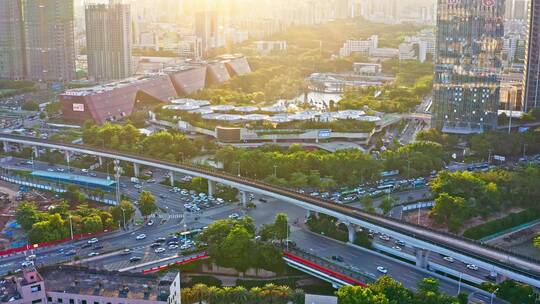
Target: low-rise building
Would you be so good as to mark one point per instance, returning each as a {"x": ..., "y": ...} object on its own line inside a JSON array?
[
  {"x": 74, "y": 285},
  {"x": 362, "y": 68},
  {"x": 363, "y": 47},
  {"x": 384, "y": 53},
  {"x": 115, "y": 100},
  {"x": 265, "y": 47}
]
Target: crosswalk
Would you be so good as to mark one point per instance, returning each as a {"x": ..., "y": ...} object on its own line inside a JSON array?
[{"x": 175, "y": 216}]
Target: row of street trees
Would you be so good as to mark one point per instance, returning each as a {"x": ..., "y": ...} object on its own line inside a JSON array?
[
  {"x": 388, "y": 291},
  {"x": 167, "y": 145},
  {"x": 298, "y": 168},
  {"x": 55, "y": 223},
  {"x": 267, "y": 294}
]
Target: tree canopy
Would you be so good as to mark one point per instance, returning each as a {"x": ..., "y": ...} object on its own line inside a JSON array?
[{"x": 55, "y": 224}]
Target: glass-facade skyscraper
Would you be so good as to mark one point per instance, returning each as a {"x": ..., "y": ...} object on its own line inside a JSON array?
[
  {"x": 108, "y": 41},
  {"x": 468, "y": 64},
  {"x": 532, "y": 67}
]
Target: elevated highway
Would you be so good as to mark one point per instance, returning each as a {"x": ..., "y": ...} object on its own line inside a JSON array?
[{"x": 501, "y": 263}]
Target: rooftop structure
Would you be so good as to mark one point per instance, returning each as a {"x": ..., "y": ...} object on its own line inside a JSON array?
[
  {"x": 212, "y": 113},
  {"x": 337, "y": 83},
  {"x": 68, "y": 284},
  {"x": 115, "y": 100},
  {"x": 75, "y": 179}
]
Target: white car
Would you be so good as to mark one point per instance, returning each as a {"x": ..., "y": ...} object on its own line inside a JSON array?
[
  {"x": 84, "y": 170},
  {"x": 141, "y": 236},
  {"x": 173, "y": 247},
  {"x": 384, "y": 237},
  {"x": 150, "y": 223},
  {"x": 185, "y": 247},
  {"x": 472, "y": 267},
  {"x": 93, "y": 241},
  {"x": 91, "y": 254},
  {"x": 382, "y": 270},
  {"x": 31, "y": 257},
  {"x": 27, "y": 263},
  {"x": 234, "y": 216},
  {"x": 159, "y": 250},
  {"x": 396, "y": 248},
  {"x": 449, "y": 259}
]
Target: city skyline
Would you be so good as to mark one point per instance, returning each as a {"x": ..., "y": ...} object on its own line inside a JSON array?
[{"x": 269, "y": 151}]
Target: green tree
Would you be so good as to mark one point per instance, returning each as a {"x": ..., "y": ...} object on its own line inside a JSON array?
[
  {"x": 359, "y": 295},
  {"x": 387, "y": 204},
  {"x": 367, "y": 203},
  {"x": 53, "y": 108},
  {"x": 277, "y": 230},
  {"x": 517, "y": 293},
  {"x": 449, "y": 210},
  {"x": 51, "y": 229},
  {"x": 428, "y": 285},
  {"x": 199, "y": 184},
  {"x": 26, "y": 214},
  {"x": 394, "y": 291},
  {"x": 118, "y": 214},
  {"x": 237, "y": 247},
  {"x": 92, "y": 224},
  {"x": 147, "y": 203},
  {"x": 536, "y": 242},
  {"x": 74, "y": 195},
  {"x": 298, "y": 180},
  {"x": 30, "y": 105}
]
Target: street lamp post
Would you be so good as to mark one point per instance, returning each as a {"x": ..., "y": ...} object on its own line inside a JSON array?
[
  {"x": 459, "y": 284},
  {"x": 124, "y": 216},
  {"x": 71, "y": 227},
  {"x": 238, "y": 163},
  {"x": 493, "y": 295},
  {"x": 275, "y": 170},
  {"x": 117, "y": 174},
  {"x": 287, "y": 232}
]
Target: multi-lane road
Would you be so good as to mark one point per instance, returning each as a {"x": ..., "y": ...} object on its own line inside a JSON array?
[{"x": 176, "y": 219}]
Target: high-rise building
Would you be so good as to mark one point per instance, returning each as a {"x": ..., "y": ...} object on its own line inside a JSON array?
[
  {"x": 516, "y": 9},
  {"x": 380, "y": 9},
  {"x": 108, "y": 41},
  {"x": 532, "y": 59},
  {"x": 343, "y": 8},
  {"x": 12, "y": 65},
  {"x": 49, "y": 40},
  {"x": 469, "y": 61},
  {"x": 206, "y": 28}
]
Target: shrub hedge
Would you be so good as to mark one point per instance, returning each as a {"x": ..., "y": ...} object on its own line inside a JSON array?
[{"x": 492, "y": 227}]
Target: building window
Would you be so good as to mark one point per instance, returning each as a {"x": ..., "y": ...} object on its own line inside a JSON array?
[
  {"x": 49, "y": 299},
  {"x": 37, "y": 301},
  {"x": 35, "y": 288},
  {"x": 71, "y": 301},
  {"x": 60, "y": 300},
  {"x": 84, "y": 302}
]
